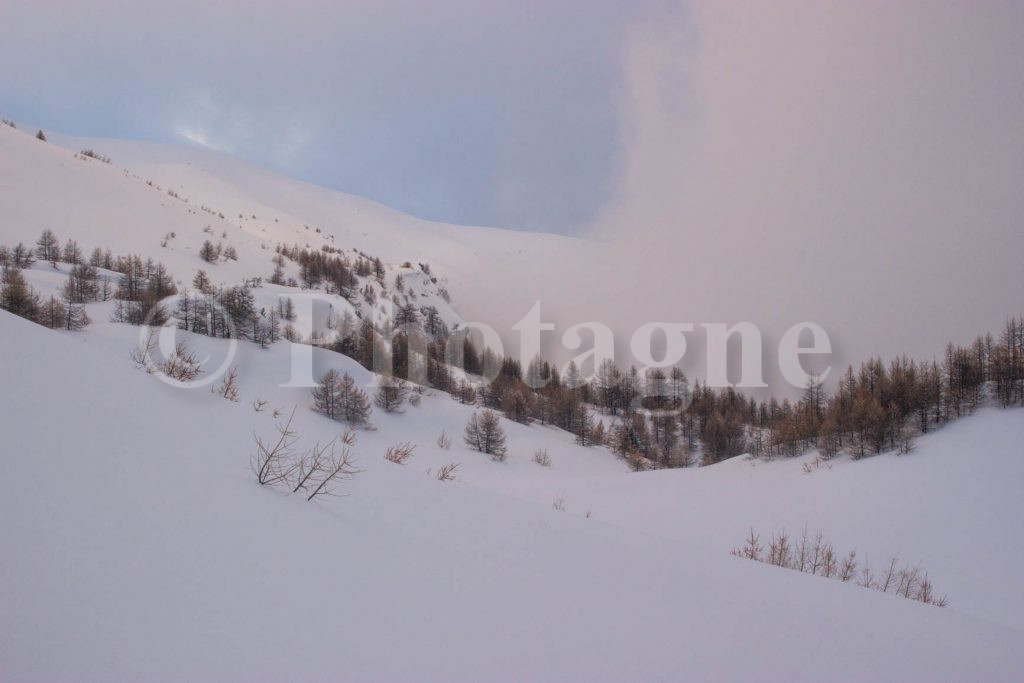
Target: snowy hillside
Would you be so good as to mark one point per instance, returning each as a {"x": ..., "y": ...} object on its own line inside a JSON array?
[
  {"x": 261, "y": 209},
  {"x": 136, "y": 543}
]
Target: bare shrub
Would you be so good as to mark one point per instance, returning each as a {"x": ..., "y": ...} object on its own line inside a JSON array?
[
  {"x": 142, "y": 355},
  {"x": 401, "y": 453},
  {"x": 444, "y": 442},
  {"x": 339, "y": 466},
  {"x": 228, "y": 387},
  {"x": 312, "y": 465},
  {"x": 447, "y": 472},
  {"x": 559, "y": 504},
  {"x": 540, "y": 456},
  {"x": 816, "y": 464},
  {"x": 751, "y": 549},
  {"x": 320, "y": 465},
  {"x": 316, "y": 471},
  {"x": 815, "y": 555},
  {"x": 182, "y": 365},
  {"x": 780, "y": 552},
  {"x": 259, "y": 405}
]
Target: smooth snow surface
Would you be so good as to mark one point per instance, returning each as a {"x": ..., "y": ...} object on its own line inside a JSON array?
[{"x": 136, "y": 545}]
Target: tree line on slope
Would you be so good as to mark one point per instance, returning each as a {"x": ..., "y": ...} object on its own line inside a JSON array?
[{"x": 657, "y": 420}]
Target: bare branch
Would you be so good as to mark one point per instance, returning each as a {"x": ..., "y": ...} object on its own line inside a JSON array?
[
  {"x": 275, "y": 464},
  {"x": 341, "y": 466}
]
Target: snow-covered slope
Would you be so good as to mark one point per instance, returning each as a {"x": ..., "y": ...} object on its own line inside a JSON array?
[
  {"x": 99, "y": 205},
  {"x": 261, "y": 208},
  {"x": 135, "y": 544},
  {"x": 43, "y": 186},
  {"x": 951, "y": 506}
]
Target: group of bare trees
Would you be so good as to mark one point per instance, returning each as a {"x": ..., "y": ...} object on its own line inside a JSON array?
[
  {"x": 881, "y": 407},
  {"x": 337, "y": 272},
  {"x": 815, "y": 555},
  {"x": 231, "y": 312},
  {"x": 539, "y": 395},
  {"x": 414, "y": 348},
  {"x": 212, "y": 253},
  {"x": 140, "y": 284},
  {"x": 655, "y": 419},
  {"x": 17, "y": 297},
  {"x": 140, "y": 288},
  {"x": 339, "y": 398},
  {"x": 312, "y": 473},
  {"x": 660, "y": 421},
  {"x": 64, "y": 312}
]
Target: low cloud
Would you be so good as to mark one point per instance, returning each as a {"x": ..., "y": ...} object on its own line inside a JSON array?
[{"x": 854, "y": 164}]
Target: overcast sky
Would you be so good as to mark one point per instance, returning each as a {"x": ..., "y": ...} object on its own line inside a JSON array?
[
  {"x": 469, "y": 111},
  {"x": 497, "y": 112},
  {"x": 858, "y": 164}
]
